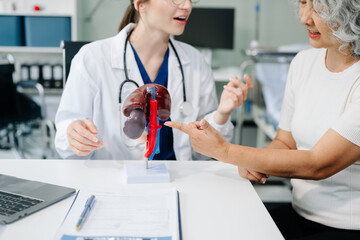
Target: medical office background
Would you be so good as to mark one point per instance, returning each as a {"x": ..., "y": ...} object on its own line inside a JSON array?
[
  {"x": 263, "y": 24},
  {"x": 268, "y": 26}
]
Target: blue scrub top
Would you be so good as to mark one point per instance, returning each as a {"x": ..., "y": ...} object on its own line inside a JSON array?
[{"x": 166, "y": 133}]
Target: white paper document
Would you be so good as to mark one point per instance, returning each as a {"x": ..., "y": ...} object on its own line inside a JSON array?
[{"x": 125, "y": 214}]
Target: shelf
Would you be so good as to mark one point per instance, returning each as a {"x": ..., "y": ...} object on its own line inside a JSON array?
[
  {"x": 35, "y": 14},
  {"x": 47, "y": 91},
  {"x": 23, "y": 49},
  {"x": 259, "y": 52}
]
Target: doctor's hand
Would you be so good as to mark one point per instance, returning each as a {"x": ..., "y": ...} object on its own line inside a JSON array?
[
  {"x": 204, "y": 138},
  {"x": 82, "y": 137},
  {"x": 232, "y": 97}
]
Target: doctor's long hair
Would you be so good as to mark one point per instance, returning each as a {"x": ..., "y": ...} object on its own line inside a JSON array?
[{"x": 131, "y": 15}]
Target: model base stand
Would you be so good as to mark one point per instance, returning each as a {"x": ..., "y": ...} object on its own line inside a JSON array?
[{"x": 154, "y": 173}]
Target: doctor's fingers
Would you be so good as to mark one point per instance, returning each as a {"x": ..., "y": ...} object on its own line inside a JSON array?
[
  {"x": 79, "y": 152},
  {"x": 89, "y": 124},
  {"x": 76, "y": 136},
  {"x": 252, "y": 175},
  {"x": 244, "y": 87},
  {"x": 248, "y": 81},
  {"x": 83, "y": 147},
  {"x": 236, "y": 94},
  {"x": 80, "y": 128}
]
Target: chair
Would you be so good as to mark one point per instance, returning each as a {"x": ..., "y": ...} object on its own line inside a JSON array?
[
  {"x": 70, "y": 49},
  {"x": 18, "y": 109}
]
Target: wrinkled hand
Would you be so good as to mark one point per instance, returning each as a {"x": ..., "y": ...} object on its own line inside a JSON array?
[
  {"x": 234, "y": 94},
  {"x": 82, "y": 137},
  {"x": 208, "y": 141},
  {"x": 252, "y": 175},
  {"x": 204, "y": 138}
]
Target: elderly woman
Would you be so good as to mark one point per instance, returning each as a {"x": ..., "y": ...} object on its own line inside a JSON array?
[{"x": 318, "y": 142}]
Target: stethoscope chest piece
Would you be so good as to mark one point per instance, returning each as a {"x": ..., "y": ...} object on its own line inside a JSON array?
[{"x": 186, "y": 108}]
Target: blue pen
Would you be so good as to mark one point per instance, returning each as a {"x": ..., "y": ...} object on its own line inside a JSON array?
[{"x": 88, "y": 206}]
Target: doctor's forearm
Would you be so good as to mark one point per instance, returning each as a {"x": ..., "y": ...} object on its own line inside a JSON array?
[
  {"x": 220, "y": 119},
  {"x": 275, "y": 162}
]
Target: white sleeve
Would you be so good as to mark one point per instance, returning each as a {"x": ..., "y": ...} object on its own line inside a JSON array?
[
  {"x": 209, "y": 103},
  {"x": 76, "y": 102},
  {"x": 287, "y": 108},
  {"x": 348, "y": 125}
]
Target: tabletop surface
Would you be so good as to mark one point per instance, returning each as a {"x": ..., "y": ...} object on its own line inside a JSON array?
[{"x": 215, "y": 203}]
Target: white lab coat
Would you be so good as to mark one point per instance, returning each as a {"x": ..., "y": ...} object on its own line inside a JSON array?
[{"x": 92, "y": 91}]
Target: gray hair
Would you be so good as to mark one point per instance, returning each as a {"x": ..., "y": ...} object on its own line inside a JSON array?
[{"x": 343, "y": 18}]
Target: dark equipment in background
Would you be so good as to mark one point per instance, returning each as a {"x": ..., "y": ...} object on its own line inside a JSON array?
[
  {"x": 70, "y": 49},
  {"x": 18, "y": 108},
  {"x": 210, "y": 28}
]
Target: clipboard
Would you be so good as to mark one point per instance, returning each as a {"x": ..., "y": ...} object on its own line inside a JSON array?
[{"x": 141, "y": 215}]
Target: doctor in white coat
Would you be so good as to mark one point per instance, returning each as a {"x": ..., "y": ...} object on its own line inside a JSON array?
[{"x": 88, "y": 120}]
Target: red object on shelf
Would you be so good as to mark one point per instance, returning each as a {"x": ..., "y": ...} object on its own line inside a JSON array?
[{"x": 37, "y": 8}]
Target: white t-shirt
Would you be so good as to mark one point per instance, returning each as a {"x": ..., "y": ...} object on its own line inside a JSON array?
[{"x": 316, "y": 100}]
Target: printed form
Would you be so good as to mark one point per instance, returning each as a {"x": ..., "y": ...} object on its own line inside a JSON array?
[{"x": 125, "y": 214}]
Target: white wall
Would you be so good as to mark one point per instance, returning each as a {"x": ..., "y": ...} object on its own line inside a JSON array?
[
  {"x": 279, "y": 24},
  {"x": 103, "y": 22}
]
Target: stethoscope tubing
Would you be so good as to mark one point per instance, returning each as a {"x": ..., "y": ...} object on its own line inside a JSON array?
[{"x": 127, "y": 80}]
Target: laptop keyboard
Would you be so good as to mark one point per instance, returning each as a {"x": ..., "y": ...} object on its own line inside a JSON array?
[{"x": 11, "y": 203}]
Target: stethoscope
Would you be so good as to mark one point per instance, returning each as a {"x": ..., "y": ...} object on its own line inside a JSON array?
[{"x": 186, "y": 108}]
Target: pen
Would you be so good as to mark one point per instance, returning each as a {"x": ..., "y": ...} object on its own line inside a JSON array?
[{"x": 88, "y": 206}]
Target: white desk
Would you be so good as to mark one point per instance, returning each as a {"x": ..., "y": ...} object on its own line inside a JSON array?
[{"x": 215, "y": 202}]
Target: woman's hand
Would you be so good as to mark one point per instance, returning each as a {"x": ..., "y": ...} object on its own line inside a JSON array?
[
  {"x": 82, "y": 137},
  {"x": 232, "y": 97},
  {"x": 143, "y": 138},
  {"x": 252, "y": 175},
  {"x": 204, "y": 138},
  {"x": 208, "y": 141}
]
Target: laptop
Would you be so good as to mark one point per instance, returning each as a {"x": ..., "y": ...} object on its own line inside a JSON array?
[{"x": 21, "y": 197}]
